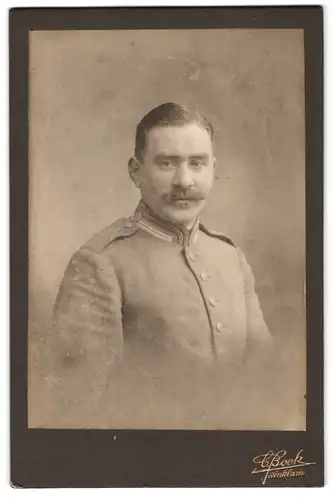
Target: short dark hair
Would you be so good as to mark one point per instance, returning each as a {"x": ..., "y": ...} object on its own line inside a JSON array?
[{"x": 165, "y": 115}]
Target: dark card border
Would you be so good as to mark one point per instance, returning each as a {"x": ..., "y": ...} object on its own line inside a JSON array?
[{"x": 93, "y": 458}]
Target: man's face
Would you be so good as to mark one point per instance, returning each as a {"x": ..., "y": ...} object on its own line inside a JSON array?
[{"x": 176, "y": 172}]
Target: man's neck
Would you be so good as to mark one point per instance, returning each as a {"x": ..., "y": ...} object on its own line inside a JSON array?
[
  {"x": 189, "y": 225},
  {"x": 174, "y": 231}
]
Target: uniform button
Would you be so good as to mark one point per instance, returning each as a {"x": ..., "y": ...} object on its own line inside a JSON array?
[
  {"x": 212, "y": 302},
  {"x": 219, "y": 327},
  {"x": 204, "y": 276},
  {"x": 128, "y": 224},
  {"x": 192, "y": 256}
]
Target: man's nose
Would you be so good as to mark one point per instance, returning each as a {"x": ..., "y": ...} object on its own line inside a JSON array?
[{"x": 183, "y": 177}]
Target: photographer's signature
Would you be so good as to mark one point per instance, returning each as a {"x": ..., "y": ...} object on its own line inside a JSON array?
[{"x": 277, "y": 465}]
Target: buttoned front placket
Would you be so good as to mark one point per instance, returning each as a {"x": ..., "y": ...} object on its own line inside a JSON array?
[
  {"x": 200, "y": 270},
  {"x": 216, "y": 305}
]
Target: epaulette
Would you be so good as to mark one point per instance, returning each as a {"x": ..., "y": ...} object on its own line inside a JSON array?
[
  {"x": 216, "y": 234},
  {"x": 121, "y": 228}
]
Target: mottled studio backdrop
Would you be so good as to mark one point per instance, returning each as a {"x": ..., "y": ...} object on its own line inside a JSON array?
[{"x": 88, "y": 90}]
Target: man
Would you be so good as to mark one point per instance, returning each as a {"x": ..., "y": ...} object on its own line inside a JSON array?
[{"x": 157, "y": 315}]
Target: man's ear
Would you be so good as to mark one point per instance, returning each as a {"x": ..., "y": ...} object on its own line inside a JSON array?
[
  {"x": 134, "y": 168},
  {"x": 214, "y": 167},
  {"x": 215, "y": 175}
]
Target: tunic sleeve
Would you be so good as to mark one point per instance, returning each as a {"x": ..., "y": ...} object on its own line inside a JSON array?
[
  {"x": 87, "y": 339},
  {"x": 260, "y": 394},
  {"x": 258, "y": 334}
]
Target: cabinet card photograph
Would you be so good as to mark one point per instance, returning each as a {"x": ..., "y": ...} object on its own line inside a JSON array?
[
  {"x": 166, "y": 169},
  {"x": 167, "y": 229}
]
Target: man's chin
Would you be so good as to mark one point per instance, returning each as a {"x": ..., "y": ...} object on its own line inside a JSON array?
[{"x": 182, "y": 213}]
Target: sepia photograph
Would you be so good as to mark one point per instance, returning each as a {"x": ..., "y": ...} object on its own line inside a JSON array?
[
  {"x": 166, "y": 247},
  {"x": 167, "y": 229}
]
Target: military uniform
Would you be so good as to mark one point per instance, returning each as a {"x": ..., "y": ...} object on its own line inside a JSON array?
[{"x": 154, "y": 323}]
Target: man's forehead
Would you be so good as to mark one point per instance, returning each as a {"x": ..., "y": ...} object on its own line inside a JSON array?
[{"x": 189, "y": 136}]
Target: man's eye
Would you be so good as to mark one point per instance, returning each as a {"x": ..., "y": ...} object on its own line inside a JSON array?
[
  {"x": 197, "y": 163},
  {"x": 167, "y": 164}
]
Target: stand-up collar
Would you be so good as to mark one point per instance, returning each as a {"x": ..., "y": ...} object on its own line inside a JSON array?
[{"x": 173, "y": 232}]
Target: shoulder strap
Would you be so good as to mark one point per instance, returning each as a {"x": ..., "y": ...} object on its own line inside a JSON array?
[
  {"x": 121, "y": 228},
  {"x": 216, "y": 234}
]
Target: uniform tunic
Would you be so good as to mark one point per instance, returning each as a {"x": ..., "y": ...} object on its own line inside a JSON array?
[{"x": 154, "y": 325}]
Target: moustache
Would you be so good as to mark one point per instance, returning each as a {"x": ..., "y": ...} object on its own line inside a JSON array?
[{"x": 184, "y": 195}]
